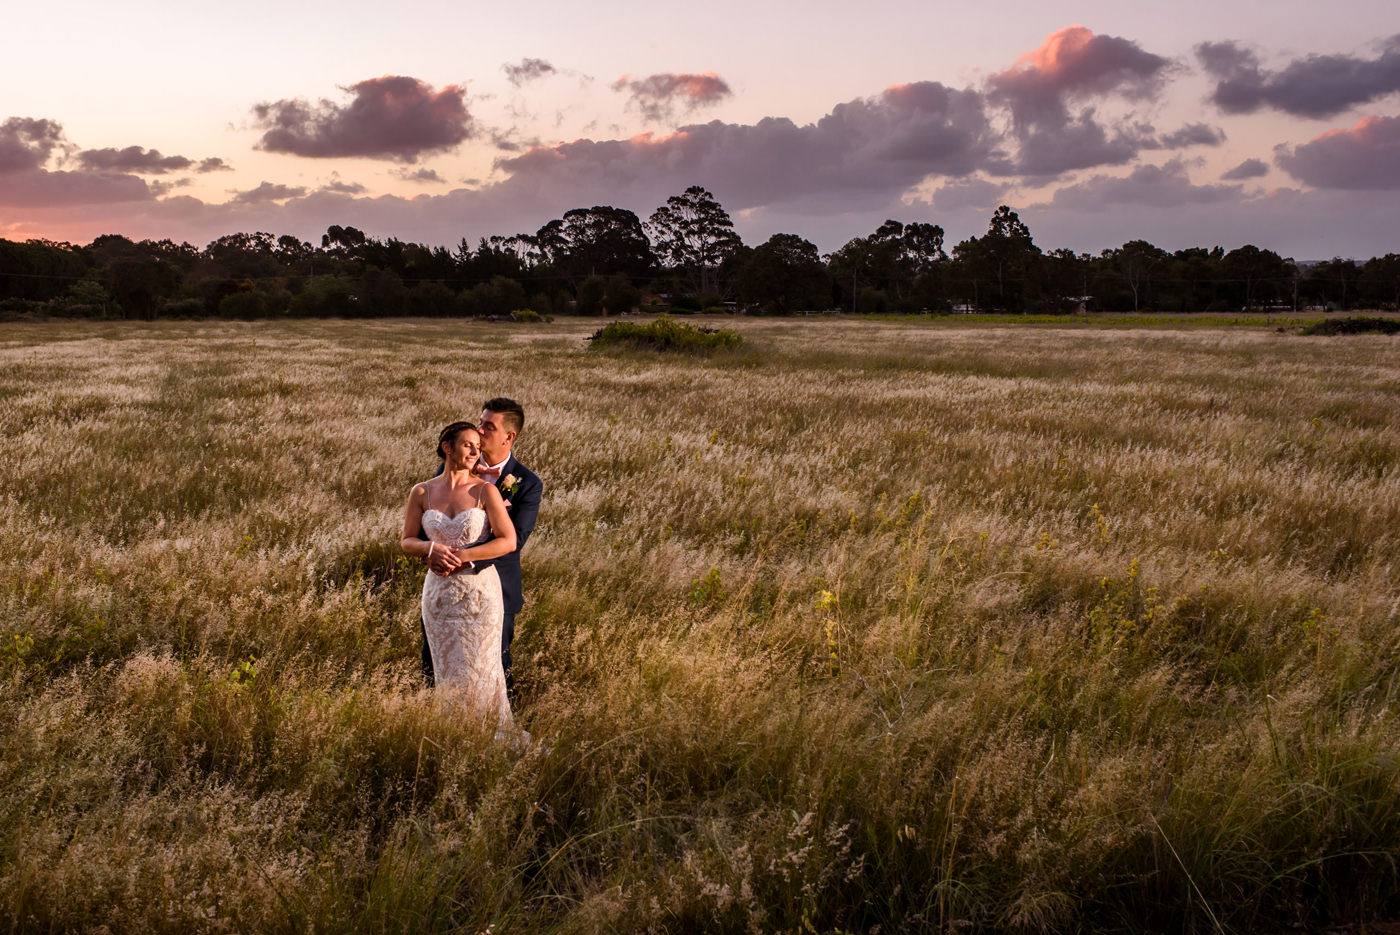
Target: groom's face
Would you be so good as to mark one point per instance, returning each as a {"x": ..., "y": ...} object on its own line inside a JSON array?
[{"x": 495, "y": 439}]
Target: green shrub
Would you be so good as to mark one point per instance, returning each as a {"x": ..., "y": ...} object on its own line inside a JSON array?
[
  {"x": 528, "y": 315},
  {"x": 665, "y": 334},
  {"x": 1356, "y": 324}
]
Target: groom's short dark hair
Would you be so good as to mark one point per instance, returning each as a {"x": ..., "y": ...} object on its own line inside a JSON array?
[{"x": 510, "y": 411}]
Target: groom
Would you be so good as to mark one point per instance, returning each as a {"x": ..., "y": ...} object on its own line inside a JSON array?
[{"x": 500, "y": 425}]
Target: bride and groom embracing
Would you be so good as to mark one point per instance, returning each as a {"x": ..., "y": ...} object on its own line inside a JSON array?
[{"x": 469, "y": 523}]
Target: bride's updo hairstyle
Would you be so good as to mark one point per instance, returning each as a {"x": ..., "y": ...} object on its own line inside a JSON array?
[{"x": 449, "y": 435}]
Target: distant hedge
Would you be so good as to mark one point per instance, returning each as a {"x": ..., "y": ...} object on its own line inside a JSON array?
[
  {"x": 665, "y": 334},
  {"x": 1354, "y": 325}
]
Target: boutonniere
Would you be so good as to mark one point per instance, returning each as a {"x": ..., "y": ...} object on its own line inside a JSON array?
[{"x": 509, "y": 485}]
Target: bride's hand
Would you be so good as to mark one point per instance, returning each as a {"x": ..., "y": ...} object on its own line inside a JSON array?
[{"x": 444, "y": 561}]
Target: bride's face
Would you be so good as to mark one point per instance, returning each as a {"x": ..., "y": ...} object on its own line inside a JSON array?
[{"x": 463, "y": 451}]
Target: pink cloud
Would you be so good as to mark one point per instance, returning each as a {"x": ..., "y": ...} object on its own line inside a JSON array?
[
  {"x": 656, "y": 97},
  {"x": 1075, "y": 61},
  {"x": 1073, "y": 65}
]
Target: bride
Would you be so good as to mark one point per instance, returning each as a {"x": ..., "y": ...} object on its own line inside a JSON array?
[{"x": 464, "y": 517}]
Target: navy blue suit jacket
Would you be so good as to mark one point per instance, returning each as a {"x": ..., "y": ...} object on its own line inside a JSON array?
[{"x": 524, "y": 509}]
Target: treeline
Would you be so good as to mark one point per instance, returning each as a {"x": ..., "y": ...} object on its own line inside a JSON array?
[{"x": 686, "y": 257}]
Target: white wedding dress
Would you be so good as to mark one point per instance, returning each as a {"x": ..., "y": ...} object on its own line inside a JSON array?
[{"x": 462, "y": 614}]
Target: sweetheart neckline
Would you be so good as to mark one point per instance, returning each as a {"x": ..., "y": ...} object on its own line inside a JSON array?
[{"x": 433, "y": 509}]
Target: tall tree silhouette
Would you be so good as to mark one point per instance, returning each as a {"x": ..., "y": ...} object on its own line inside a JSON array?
[{"x": 695, "y": 235}]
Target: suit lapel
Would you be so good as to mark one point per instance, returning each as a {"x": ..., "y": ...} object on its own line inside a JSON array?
[{"x": 500, "y": 481}]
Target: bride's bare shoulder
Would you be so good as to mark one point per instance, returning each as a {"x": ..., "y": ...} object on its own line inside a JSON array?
[{"x": 420, "y": 490}]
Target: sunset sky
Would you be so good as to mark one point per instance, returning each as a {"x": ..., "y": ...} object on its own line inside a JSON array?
[{"x": 1186, "y": 124}]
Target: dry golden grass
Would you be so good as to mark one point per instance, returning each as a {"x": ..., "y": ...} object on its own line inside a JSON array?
[{"x": 908, "y": 625}]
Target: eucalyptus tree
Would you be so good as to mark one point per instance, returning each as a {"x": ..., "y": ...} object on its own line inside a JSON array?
[{"x": 694, "y": 235}]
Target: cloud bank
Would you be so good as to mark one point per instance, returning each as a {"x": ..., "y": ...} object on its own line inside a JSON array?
[{"x": 864, "y": 150}]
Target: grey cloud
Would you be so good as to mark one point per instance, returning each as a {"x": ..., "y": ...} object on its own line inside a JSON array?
[
  {"x": 1312, "y": 86},
  {"x": 423, "y": 176},
  {"x": 162, "y": 187},
  {"x": 344, "y": 188},
  {"x": 1249, "y": 169},
  {"x": 27, "y": 142},
  {"x": 132, "y": 159},
  {"x": 1193, "y": 134},
  {"x": 1221, "y": 58},
  {"x": 506, "y": 141},
  {"x": 1080, "y": 143},
  {"x": 1151, "y": 186},
  {"x": 213, "y": 164},
  {"x": 968, "y": 193},
  {"x": 528, "y": 69},
  {"x": 657, "y": 97},
  {"x": 267, "y": 191},
  {"x": 392, "y": 117},
  {"x": 1363, "y": 157}
]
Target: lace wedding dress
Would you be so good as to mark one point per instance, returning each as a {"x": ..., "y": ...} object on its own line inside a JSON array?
[{"x": 462, "y": 614}]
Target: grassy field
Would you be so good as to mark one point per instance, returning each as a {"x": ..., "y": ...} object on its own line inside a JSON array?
[{"x": 882, "y": 626}]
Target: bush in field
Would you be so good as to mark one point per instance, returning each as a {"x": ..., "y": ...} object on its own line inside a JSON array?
[
  {"x": 529, "y": 316},
  {"x": 665, "y": 334},
  {"x": 1354, "y": 325}
]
